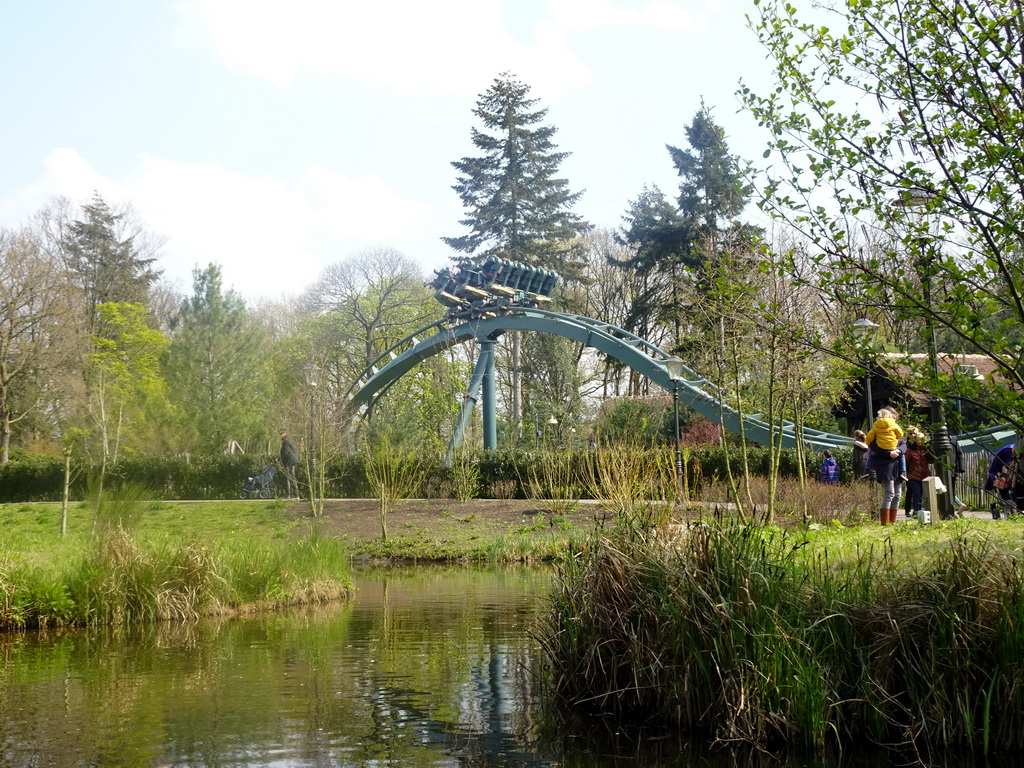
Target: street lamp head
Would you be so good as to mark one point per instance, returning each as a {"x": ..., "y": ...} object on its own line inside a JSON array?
[
  {"x": 918, "y": 203},
  {"x": 863, "y": 328},
  {"x": 312, "y": 373},
  {"x": 674, "y": 367},
  {"x": 914, "y": 198},
  {"x": 552, "y": 421}
]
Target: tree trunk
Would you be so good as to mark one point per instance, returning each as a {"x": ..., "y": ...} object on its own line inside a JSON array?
[{"x": 65, "y": 494}]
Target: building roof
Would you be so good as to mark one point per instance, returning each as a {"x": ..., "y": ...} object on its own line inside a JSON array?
[{"x": 899, "y": 366}]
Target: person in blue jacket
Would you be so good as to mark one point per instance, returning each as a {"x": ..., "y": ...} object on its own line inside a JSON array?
[{"x": 829, "y": 470}]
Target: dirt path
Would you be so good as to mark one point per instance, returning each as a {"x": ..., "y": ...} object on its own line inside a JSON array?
[{"x": 358, "y": 520}]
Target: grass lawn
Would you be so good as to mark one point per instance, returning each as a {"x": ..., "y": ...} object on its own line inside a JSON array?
[
  {"x": 33, "y": 530},
  {"x": 441, "y": 529}
]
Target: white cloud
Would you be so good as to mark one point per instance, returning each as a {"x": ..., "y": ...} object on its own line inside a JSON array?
[
  {"x": 270, "y": 236},
  {"x": 253, "y": 227},
  {"x": 363, "y": 207},
  {"x": 65, "y": 174},
  {"x": 438, "y": 47}
]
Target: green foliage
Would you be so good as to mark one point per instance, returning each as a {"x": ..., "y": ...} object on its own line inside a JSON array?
[
  {"x": 635, "y": 421},
  {"x": 903, "y": 166},
  {"x": 672, "y": 243},
  {"x": 125, "y": 385},
  {"x": 108, "y": 263},
  {"x": 177, "y": 563},
  {"x": 752, "y": 634},
  {"x": 216, "y": 368},
  {"x": 515, "y": 204},
  {"x": 465, "y": 478},
  {"x": 31, "y": 477}
]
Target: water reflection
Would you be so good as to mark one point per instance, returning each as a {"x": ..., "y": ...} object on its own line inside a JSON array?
[{"x": 426, "y": 667}]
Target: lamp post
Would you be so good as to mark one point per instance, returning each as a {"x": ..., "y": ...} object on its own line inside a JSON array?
[
  {"x": 674, "y": 367},
  {"x": 917, "y": 203},
  {"x": 863, "y": 329},
  {"x": 553, "y": 423},
  {"x": 312, "y": 374}
]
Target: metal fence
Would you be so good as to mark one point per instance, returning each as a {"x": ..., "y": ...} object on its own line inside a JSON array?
[{"x": 969, "y": 487}]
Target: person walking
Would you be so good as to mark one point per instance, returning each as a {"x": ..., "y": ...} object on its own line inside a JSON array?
[{"x": 289, "y": 460}]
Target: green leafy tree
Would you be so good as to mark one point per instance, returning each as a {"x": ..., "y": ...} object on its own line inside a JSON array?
[
  {"x": 216, "y": 367},
  {"x": 107, "y": 254},
  {"x": 123, "y": 376},
  {"x": 903, "y": 120}
]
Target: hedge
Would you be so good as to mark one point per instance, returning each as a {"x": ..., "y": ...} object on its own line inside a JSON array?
[{"x": 32, "y": 477}]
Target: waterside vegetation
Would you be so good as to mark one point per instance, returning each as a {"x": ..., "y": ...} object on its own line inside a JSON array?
[
  {"x": 125, "y": 561},
  {"x": 910, "y": 637}
]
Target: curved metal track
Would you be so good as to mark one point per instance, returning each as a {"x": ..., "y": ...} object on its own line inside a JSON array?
[{"x": 695, "y": 391}]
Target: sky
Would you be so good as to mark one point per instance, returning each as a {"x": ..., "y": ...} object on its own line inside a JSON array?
[{"x": 276, "y": 138}]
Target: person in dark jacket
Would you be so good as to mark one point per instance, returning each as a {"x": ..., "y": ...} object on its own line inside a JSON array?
[
  {"x": 1003, "y": 478},
  {"x": 918, "y": 459},
  {"x": 860, "y": 455},
  {"x": 289, "y": 461},
  {"x": 886, "y": 465}
]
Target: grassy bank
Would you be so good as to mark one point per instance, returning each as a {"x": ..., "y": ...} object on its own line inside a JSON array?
[
  {"x": 159, "y": 561},
  {"x": 909, "y": 636}
]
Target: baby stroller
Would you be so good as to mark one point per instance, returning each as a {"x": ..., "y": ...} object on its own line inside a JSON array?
[
  {"x": 260, "y": 485},
  {"x": 1006, "y": 482}
]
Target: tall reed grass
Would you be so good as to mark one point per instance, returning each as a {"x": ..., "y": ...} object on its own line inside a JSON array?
[
  {"x": 115, "y": 580},
  {"x": 740, "y": 632}
]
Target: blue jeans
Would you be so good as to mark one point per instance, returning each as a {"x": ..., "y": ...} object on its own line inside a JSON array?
[{"x": 915, "y": 491}]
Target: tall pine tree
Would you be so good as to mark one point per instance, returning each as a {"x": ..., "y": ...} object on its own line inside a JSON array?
[
  {"x": 673, "y": 243},
  {"x": 215, "y": 367},
  {"x": 108, "y": 264},
  {"x": 517, "y": 206}
]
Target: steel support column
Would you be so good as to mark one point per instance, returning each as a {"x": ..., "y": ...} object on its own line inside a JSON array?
[{"x": 490, "y": 404}]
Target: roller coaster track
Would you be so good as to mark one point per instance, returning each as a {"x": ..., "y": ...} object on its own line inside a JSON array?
[{"x": 694, "y": 390}]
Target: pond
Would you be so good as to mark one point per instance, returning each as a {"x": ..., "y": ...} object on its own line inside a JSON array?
[{"x": 427, "y": 666}]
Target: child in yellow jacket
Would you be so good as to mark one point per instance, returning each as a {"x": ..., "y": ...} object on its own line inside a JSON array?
[{"x": 885, "y": 434}]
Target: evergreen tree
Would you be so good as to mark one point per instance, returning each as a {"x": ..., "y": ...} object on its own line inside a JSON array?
[
  {"x": 215, "y": 367},
  {"x": 108, "y": 263},
  {"x": 712, "y": 191},
  {"x": 516, "y": 205},
  {"x": 674, "y": 242}
]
